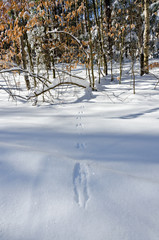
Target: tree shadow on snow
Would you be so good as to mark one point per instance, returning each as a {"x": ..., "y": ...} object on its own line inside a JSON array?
[{"x": 132, "y": 116}]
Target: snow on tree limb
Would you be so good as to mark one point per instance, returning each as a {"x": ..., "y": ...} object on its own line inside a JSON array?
[
  {"x": 38, "y": 93},
  {"x": 47, "y": 85}
]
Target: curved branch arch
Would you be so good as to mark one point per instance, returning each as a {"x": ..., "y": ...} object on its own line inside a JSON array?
[{"x": 55, "y": 86}]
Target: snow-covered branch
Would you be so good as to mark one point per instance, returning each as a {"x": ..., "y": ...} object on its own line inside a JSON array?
[
  {"x": 47, "y": 85},
  {"x": 53, "y": 86}
]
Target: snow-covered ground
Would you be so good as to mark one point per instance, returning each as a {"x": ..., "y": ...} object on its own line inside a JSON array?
[{"x": 87, "y": 169}]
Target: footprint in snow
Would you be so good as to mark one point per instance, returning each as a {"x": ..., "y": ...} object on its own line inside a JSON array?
[
  {"x": 78, "y": 117},
  {"x": 81, "y": 112},
  {"x": 80, "y": 184},
  {"x": 79, "y": 125},
  {"x": 81, "y": 146}
]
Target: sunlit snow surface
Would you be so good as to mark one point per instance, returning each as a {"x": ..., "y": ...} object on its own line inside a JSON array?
[{"x": 84, "y": 169}]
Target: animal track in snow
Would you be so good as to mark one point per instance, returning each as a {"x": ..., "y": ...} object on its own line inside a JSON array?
[
  {"x": 81, "y": 145},
  {"x": 78, "y": 117},
  {"x": 81, "y": 112},
  {"x": 82, "y": 106},
  {"x": 80, "y": 184},
  {"x": 79, "y": 125}
]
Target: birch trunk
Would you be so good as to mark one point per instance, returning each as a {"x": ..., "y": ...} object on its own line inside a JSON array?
[{"x": 24, "y": 61}]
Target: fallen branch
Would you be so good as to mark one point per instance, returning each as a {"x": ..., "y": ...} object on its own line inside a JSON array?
[
  {"x": 53, "y": 87},
  {"x": 156, "y": 78},
  {"x": 48, "y": 85}
]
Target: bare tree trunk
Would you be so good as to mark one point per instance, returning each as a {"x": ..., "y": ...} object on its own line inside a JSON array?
[
  {"x": 109, "y": 23},
  {"x": 121, "y": 56},
  {"x": 146, "y": 36},
  {"x": 133, "y": 72},
  {"x": 101, "y": 44},
  {"x": 140, "y": 37},
  {"x": 102, "y": 39},
  {"x": 90, "y": 45},
  {"x": 24, "y": 61},
  {"x": 30, "y": 57}
]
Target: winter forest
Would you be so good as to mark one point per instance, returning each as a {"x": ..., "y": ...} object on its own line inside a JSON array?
[
  {"x": 79, "y": 120},
  {"x": 45, "y": 40}
]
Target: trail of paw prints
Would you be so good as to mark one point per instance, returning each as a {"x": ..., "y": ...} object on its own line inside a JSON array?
[
  {"x": 81, "y": 111},
  {"x": 80, "y": 145},
  {"x": 80, "y": 184}
]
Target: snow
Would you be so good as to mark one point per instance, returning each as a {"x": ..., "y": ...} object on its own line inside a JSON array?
[{"x": 86, "y": 168}]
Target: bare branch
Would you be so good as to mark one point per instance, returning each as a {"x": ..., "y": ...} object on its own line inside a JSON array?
[
  {"x": 69, "y": 74},
  {"x": 53, "y": 87},
  {"x": 18, "y": 69}
]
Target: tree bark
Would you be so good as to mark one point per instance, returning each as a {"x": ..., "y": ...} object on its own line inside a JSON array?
[
  {"x": 109, "y": 23},
  {"x": 90, "y": 46},
  {"x": 146, "y": 36},
  {"x": 24, "y": 61},
  {"x": 102, "y": 39}
]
